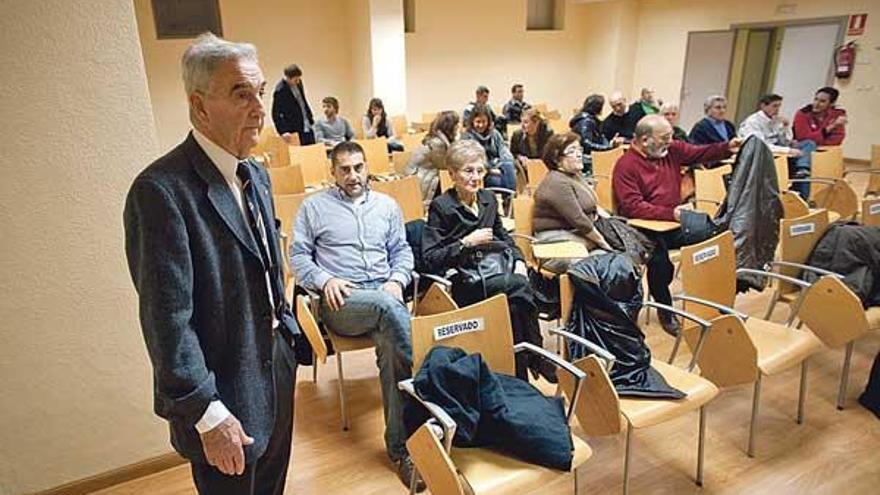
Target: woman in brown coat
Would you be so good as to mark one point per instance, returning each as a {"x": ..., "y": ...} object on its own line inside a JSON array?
[{"x": 565, "y": 203}]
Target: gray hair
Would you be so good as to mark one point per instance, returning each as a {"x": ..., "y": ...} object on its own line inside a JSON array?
[
  {"x": 647, "y": 124},
  {"x": 669, "y": 106},
  {"x": 465, "y": 151},
  {"x": 205, "y": 54},
  {"x": 711, "y": 101}
]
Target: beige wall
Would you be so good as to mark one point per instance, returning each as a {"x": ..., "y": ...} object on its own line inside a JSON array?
[
  {"x": 662, "y": 37},
  {"x": 75, "y": 384},
  {"x": 313, "y": 34}
]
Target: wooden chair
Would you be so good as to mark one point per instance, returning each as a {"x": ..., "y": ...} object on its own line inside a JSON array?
[
  {"x": 286, "y": 208},
  {"x": 314, "y": 163},
  {"x": 870, "y": 212},
  {"x": 536, "y": 171},
  {"x": 376, "y": 155},
  {"x": 451, "y": 470},
  {"x": 793, "y": 206},
  {"x": 276, "y": 148},
  {"x": 407, "y": 193},
  {"x": 740, "y": 349},
  {"x": 412, "y": 141},
  {"x": 829, "y": 309},
  {"x": 558, "y": 126},
  {"x": 826, "y": 164},
  {"x": 603, "y": 412},
  {"x": 398, "y": 123},
  {"x": 428, "y": 117},
  {"x": 541, "y": 107},
  {"x": 287, "y": 180},
  {"x": 603, "y": 171},
  {"x": 710, "y": 191},
  {"x": 400, "y": 159}
]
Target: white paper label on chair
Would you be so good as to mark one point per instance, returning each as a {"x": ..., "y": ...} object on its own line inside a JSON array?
[
  {"x": 802, "y": 229},
  {"x": 874, "y": 209},
  {"x": 706, "y": 254},
  {"x": 458, "y": 328}
]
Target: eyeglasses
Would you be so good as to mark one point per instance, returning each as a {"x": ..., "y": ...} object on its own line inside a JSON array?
[
  {"x": 473, "y": 171},
  {"x": 574, "y": 152}
]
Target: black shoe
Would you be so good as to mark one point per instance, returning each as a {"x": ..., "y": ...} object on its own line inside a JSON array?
[
  {"x": 541, "y": 367},
  {"x": 669, "y": 322},
  {"x": 405, "y": 470}
]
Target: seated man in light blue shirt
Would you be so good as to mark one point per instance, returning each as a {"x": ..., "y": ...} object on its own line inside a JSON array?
[{"x": 350, "y": 244}]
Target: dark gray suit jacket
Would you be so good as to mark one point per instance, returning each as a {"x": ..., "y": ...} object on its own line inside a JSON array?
[{"x": 204, "y": 309}]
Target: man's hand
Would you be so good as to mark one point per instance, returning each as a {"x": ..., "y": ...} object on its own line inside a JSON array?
[
  {"x": 394, "y": 289},
  {"x": 734, "y": 144},
  {"x": 617, "y": 140},
  {"x": 784, "y": 121},
  {"x": 520, "y": 268},
  {"x": 478, "y": 237},
  {"x": 840, "y": 121},
  {"x": 286, "y": 137},
  {"x": 680, "y": 208},
  {"x": 223, "y": 446},
  {"x": 335, "y": 292}
]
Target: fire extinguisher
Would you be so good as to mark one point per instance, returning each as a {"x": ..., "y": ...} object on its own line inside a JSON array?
[{"x": 844, "y": 58}]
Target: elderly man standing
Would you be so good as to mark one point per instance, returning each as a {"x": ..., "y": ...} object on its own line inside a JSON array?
[
  {"x": 350, "y": 245},
  {"x": 204, "y": 256},
  {"x": 647, "y": 185}
]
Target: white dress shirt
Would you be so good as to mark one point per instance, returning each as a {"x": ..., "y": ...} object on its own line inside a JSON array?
[
  {"x": 228, "y": 166},
  {"x": 775, "y": 134}
]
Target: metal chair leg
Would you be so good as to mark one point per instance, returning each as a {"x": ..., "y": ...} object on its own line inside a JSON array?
[
  {"x": 701, "y": 444},
  {"x": 314, "y": 368},
  {"x": 626, "y": 458},
  {"x": 844, "y": 375},
  {"x": 341, "y": 382},
  {"x": 756, "y": 399},
  {"x": 802, "y": 393},
  {"x": 773, "y": 299},
  {"x": 576, "y": 489}
]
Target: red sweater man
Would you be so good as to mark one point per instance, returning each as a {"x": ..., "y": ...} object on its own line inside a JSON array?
[
  {"x": 649, "y": 188},
  {"x": 821, "y": 122}
]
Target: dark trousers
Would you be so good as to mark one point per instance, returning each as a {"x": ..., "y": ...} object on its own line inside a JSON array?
[
  {"x": 660, "y": 269},
  {"x": 870, "y": 398},
  {"x": 521, "y": 304},
  {"x": 266, "y": 475},
  {"x": 306, "y": 138}
]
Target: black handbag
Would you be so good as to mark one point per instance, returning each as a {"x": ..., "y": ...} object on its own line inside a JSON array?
[
  {"x": 625, "y": 239},
  {"x": 696, "y": 226},
  {"x": 484, "y": 261}
]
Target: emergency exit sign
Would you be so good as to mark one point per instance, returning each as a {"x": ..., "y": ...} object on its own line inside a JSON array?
[{"x": 857, "y": 24}]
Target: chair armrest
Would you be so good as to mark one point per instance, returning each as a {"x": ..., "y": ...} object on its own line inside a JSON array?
[
  {"x": 502, "y": 190},
  {"x": 711, "y": 304},
  {"x": 437, "y": 412},
  {"x": 818, "y": 180},
  {"x": 808, "y": 268},
  {"x": 523, "y": 236},
  {"x": 437, "y": 279},
  {"x": 603, "y": 354},
  {"x": 705, "y": 200},
  {"x": 577, "y": 373},
  {"x": 785, "y": 278},
  {"x": 870, "y": 171},
  {"x": 704, "y": 330}
]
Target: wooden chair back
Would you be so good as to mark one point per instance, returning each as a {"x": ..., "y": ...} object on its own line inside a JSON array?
[
  {"x": 286, "y": 208},
  {"x": 406, "y": 192},
  {"x": 276, "y": 148},
  {"x": 558, "y": 126},
  {"x": 709, "y": 188},
  {"x": 598, "y": 410},
  {"x": 833, "y": 312},
  {"x": 376, "y": 155},
  {"x": 309, "y": 326},
  {"x": 398, "y": 123},
  {"x": 445, "y": 180},
  {"x": 523, "y": 216},
  {"x": 483, "y": 327},
  {"x": 541, "y": 107},
  {"x": 728, "y": 356},
  {"x": 839, "y": 197},
  {"x": 435, "y": 301},
  {"x": 708, "y": 271},
  {"x": 537, "y": 171},
  {"x": 797, "y": 238},
  {"x": 433, "y": 463},
  {"x": 400, "y": 159},
  {"x": 874, "y": 179},
  {"x": 780, "y": 162},
  {"x": 314, "y": 162},
  {"x": 826, "y": 164},
  {"x": 412, "y": 141},
  {"x": 871, "y": 212},
  {"x": 287, "y": 180},
  {"x": 603, "y": 171},
  {"x": 793, "y": 205},
  {"x": 428, "y": 117}
]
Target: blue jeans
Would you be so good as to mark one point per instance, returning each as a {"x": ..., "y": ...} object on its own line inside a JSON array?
[
  {"x": 507, "y": 179},
  {"x": 802, "y": 166},
  {"x": 377, "y": 314}
]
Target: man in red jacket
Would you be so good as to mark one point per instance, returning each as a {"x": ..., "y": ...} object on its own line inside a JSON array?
[
  {"x": 821, "y": 122},
  {"x": 646, "y": 185}
]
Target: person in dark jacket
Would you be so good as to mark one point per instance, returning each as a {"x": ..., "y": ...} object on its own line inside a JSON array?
[
  {"x": 514, "y": 108},
  {"x": 646, "y": 105},
  {"x": 290, "y": 108},
  {"x": 669, "y": 111},
  {"x": 587, "y": 125},
  {"x": 713, "y": 128},
  {"x": 529, "y": 141},
  {"x": 619, "y": 122},
  {"x": 460, "y": 221},
  {"x": 501, "y": 170}
]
